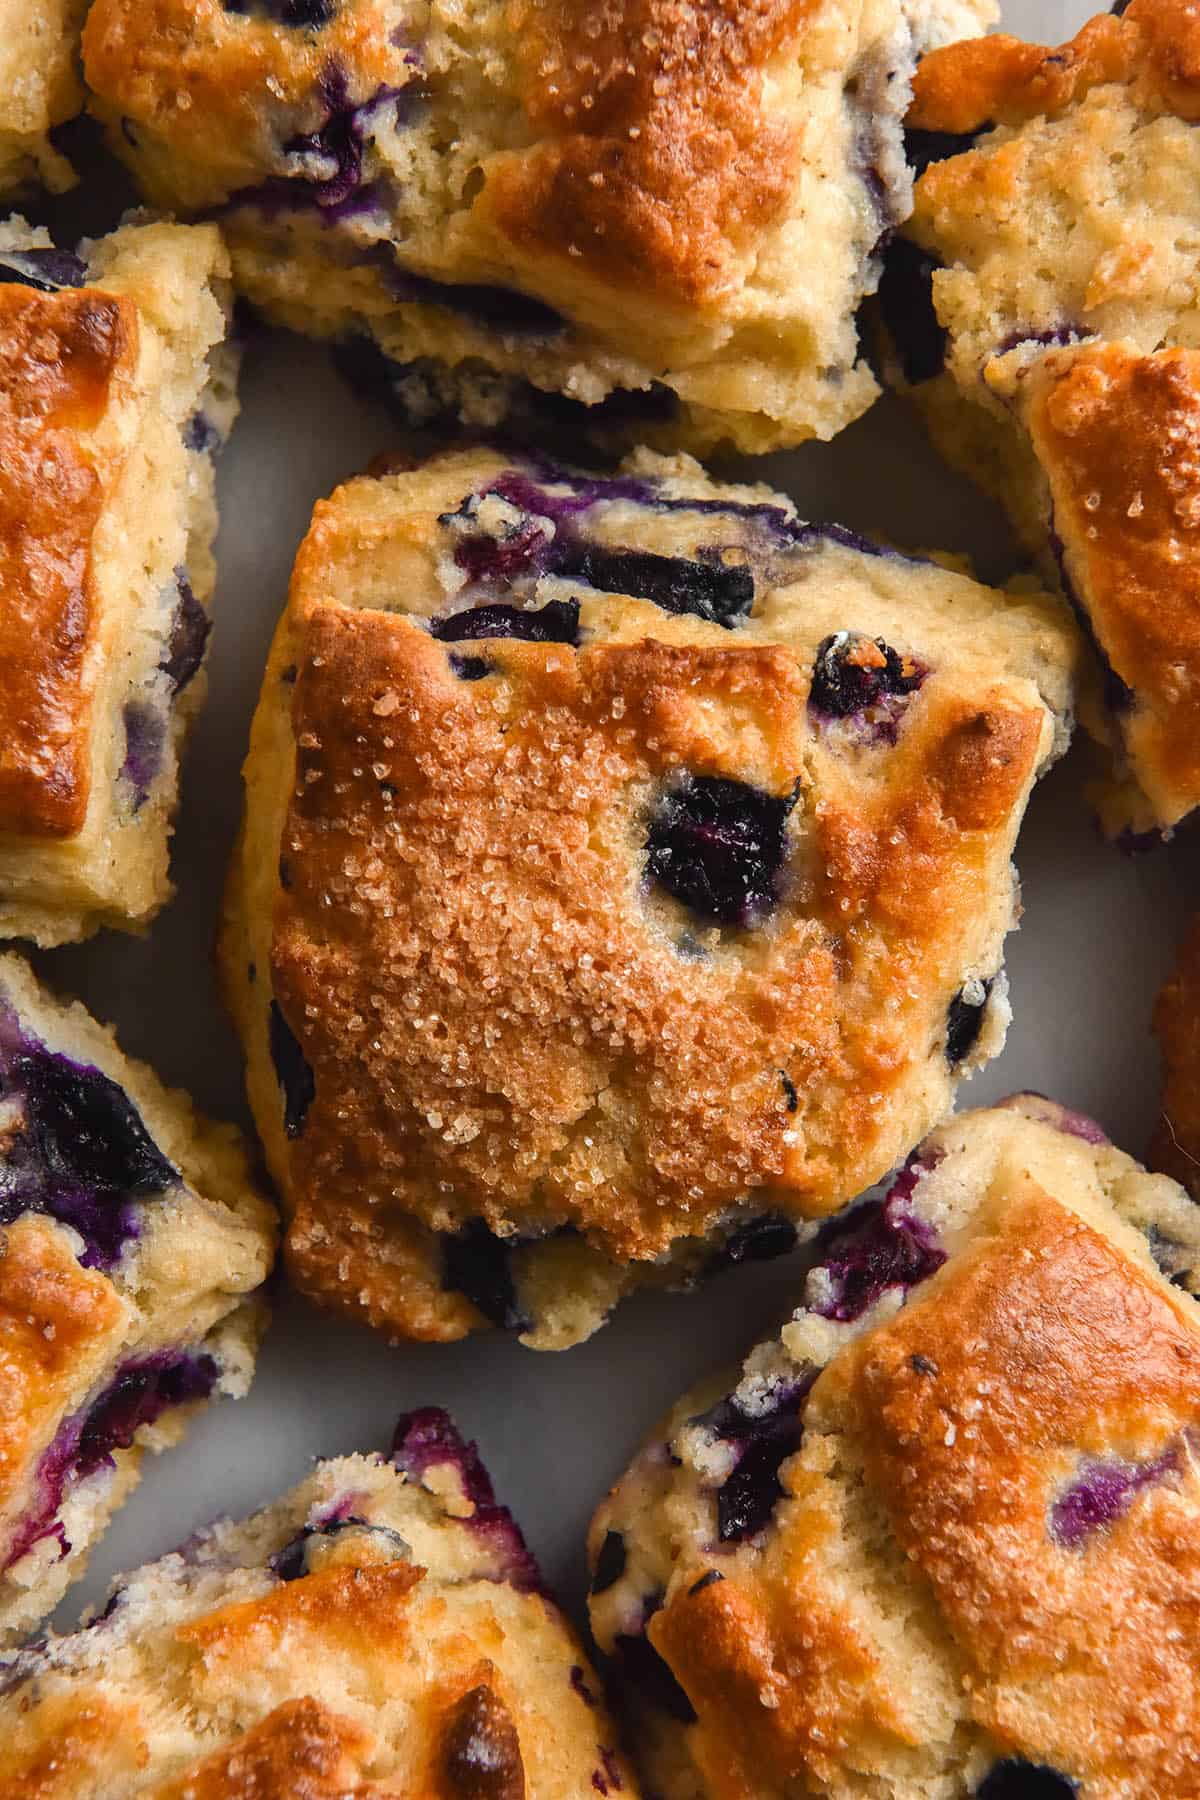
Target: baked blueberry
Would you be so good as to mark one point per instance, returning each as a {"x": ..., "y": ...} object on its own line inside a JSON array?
[{"x": 718, "y": 847}]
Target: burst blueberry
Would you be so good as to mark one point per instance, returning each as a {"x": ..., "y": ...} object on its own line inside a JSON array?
[
  {"x": 964, "y": 1022},
  {"x": 719, "y": 847},
  {"x": 43, "y": 268},
  {"x": 879, "y": 1245},
  {"x": 555, "y": 623},
  {"x": 190, "y": 628},
  {"x": 853, "y": 674},
  {"x": 713, "y": 591},
  {"x": 477, "y": 1263}
]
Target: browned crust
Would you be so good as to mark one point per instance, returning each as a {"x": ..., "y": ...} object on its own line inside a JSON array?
[
  {"x": 1049, "y": 1345},
  {"x": 1118, "y": 435},
  {"x": 61, "y": 356},
  {"x": 1154, "y": 50},
  {"x": 58, "y": 1325},
  {"x": 344, "y": 1606},
  {"x": 1175, "y": 1148},
  {"x": 658, "y": 156},
  {"x": 65, "y": 1743},
  {"x": 301, "y": 1751}
]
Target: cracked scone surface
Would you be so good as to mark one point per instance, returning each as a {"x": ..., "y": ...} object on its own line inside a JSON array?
[
  {"x": 381, "y": 1631},
  {"x": 132, "y": 1237},
  {"x": 624, "y": 880},
  {"x": 509, "y": 197},
  {"x": 39, "y": 89},
  {"x": 942, "y": 1537},
  {"x": 1045, "y": 312},
  {"x": 116, "y": 388}
]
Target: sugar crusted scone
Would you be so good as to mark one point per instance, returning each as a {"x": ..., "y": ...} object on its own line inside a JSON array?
[
  {"x": 116, "y": 387},
  {"x": 942, "y": 1537},
  {"x": 381, "y": 1631},
  {"x": 131, "y": 1239},
  {"x": 674, "y": 206},
  {"x": 624, "y": 881},
  {"x": 39, "y": 89},
  {"x": 1045, "y": 307}
]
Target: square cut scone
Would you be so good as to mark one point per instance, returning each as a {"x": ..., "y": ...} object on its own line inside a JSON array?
[
  {"x": 379, "y": 1634},
  {"x": 131, "y": 1240},
  {"x": 116, "y": 387},
  {"x": 1044, "y": 305},
  {"x": 624, "y": 880},
  {"x": 39, "y": 89},
  {"x": 942, "y": 1535},
  {"x": 674, "y": 206}
]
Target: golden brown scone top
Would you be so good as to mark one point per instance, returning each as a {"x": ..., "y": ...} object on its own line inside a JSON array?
[
  {"x": 1038, "y": 1355},
  {"x": 636, "y": 139},
  {"x": 63, "y": 358},
  {"x": 1117, "y": 434},
  {"x": 1153, "y": 49}
]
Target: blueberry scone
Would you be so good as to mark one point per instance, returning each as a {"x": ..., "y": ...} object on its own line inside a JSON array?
[
  {"x": 380, "y": 1632},
  {"x": 39, "y": 89},
  {"x": 1044, "y": 306},
  {"x": 665, "y": 212},
  {"x": 942, "y": 1535},
  {"x": 131, "y": 1239},
  {"x": 624, "y": 880},
  {"x": 116, "y": 387}
]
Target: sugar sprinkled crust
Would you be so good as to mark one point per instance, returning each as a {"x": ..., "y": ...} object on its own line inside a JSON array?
[
  {"x": 943, "y": 1535},
  {"x": 1045, "y": 311},
  {"x": 116, "y": 385},
  {"x": 39, "y": 89},
  {"x": 379, "y": 1632},
  {"x": 567, "y": 964},
  {"x": 612, "y": 201},
  {"x": 131, "y": 1235}
]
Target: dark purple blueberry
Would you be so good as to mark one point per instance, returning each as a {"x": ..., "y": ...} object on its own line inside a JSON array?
[
  {"x": 964, "y": 1022},
  {"x": 716, "y": 592},
  {"x": 610, "y": 1563},
  {"x": 921, "y": 148},
  {"x": 45, "y": 269},
  {"x": 477, "y": 1263},
  {"x": 190, "y": 628},
  {"x": 502, "y": 309},
  {"x": 908, "y": 311},
  {"x": 139, "y": 1395},
  {"x": 502, "y": 560},
  {"x": 878, "y": 1245},
  {"x": 791, "y": 1098},
  {"x": 645, "y": 1675},
  {"x": 555, "y": 623},
  {"x": 1101, "y": 1493},
  {"x": 470, "y": 668},
  {"x": 201, "y": 435},
  {"x": 427, "y": 1439},
  {"x": 291, "y": 1562},
  {"x": 145, "y": 740},
  {"x": 579, "y": 1685},
  {"x": 853, "y": 673},
  {"x": 763, "y": 1441},
  {"x": 292, "y": 1071},
  {"x": 1016, "y": 1779},
  {"x": 759, "y": 1240},
  {"x": 718, "y": 847},
  {"x": 310, "y": 14}
]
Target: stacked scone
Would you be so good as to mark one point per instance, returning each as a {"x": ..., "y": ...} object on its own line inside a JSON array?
[{"x": 622, "y": 892}]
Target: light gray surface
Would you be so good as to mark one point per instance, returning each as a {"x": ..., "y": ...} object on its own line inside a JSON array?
[{"x": 555, "y": 1430}]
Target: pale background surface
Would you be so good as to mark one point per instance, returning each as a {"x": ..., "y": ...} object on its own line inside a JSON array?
[{"x": 555, "y": 1430}]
